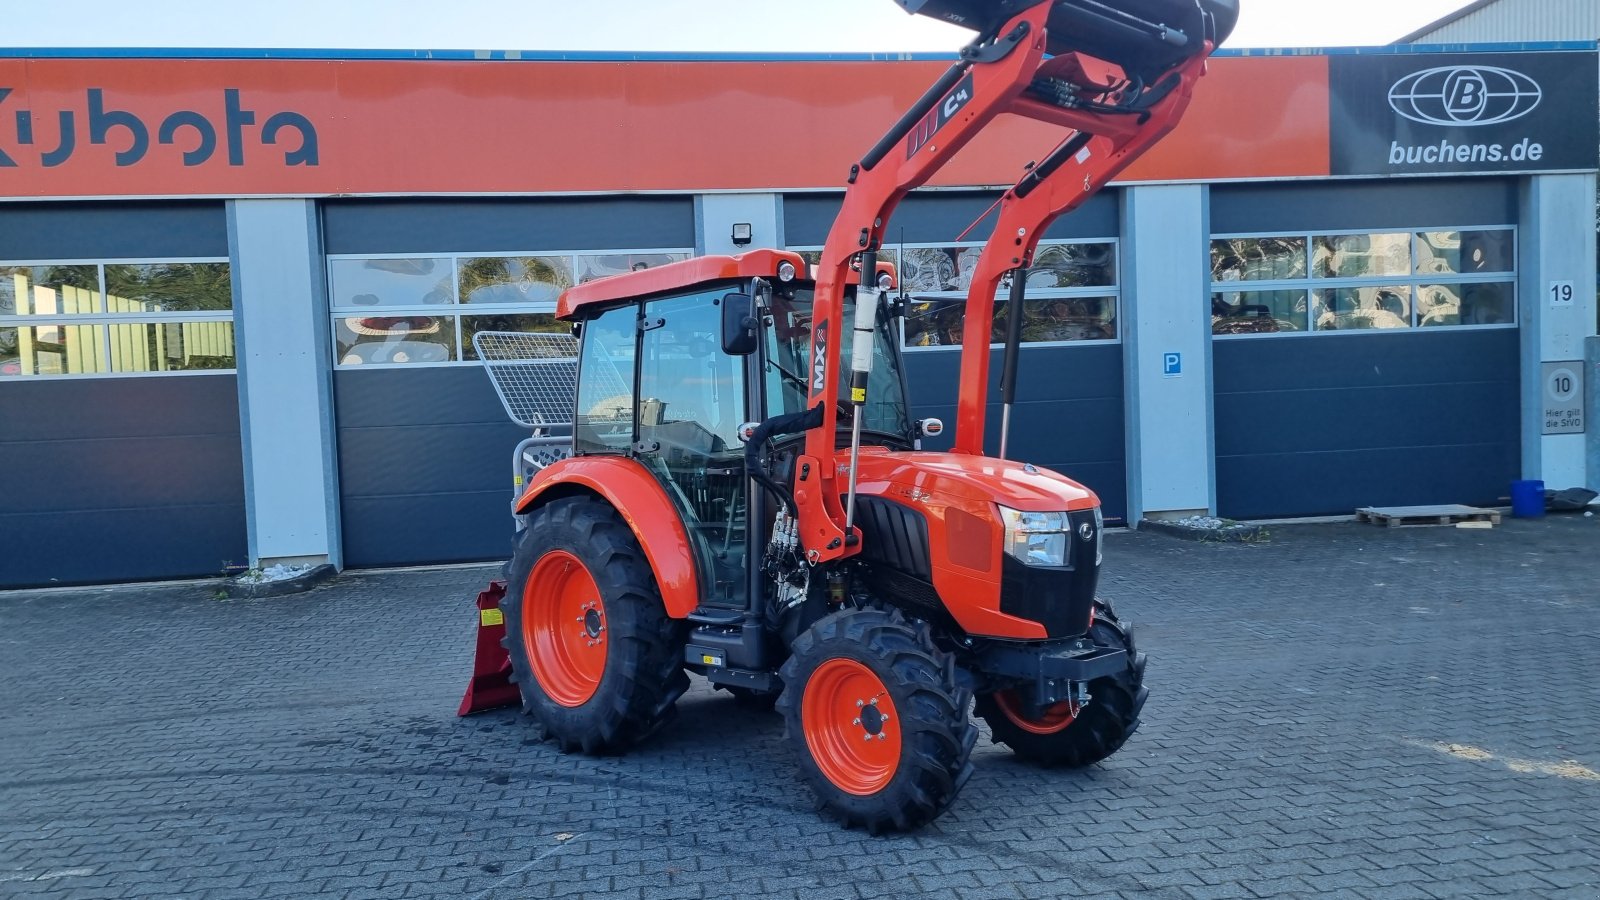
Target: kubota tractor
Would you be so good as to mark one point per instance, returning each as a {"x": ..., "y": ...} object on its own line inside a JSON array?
[{"x": 745, "y": 497}]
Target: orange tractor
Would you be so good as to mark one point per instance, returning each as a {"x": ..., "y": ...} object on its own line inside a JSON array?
[{"x": 744, "y": 496}]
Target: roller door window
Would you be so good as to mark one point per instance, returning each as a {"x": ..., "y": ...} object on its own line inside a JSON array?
[
  {"x": 1363, "y": 282},
  {"x": 77, "y": 318},
  {"x": 1072, "y": 293},
  {"x": 424, "y": 309}
]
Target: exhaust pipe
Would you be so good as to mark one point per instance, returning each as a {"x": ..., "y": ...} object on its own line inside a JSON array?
[{"x": 1144, "y": 37}]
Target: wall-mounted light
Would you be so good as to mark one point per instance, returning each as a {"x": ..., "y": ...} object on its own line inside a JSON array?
[{"x": 742, "y": 234}]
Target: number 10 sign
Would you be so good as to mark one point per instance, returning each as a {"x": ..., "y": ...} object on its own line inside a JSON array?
[{"x": 1563, "y": 398}]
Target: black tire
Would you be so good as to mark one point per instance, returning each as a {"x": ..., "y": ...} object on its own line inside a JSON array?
[
  {"x": 1101, "y": 727},
  {"x": 643, "y": 674},
  {"x": 935, "y": 736}
]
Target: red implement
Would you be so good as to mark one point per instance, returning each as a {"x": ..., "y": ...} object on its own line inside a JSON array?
[{"x": 490, "y": 687}]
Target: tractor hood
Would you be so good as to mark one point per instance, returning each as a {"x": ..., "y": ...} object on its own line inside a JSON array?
[{"x": 924, "y": 477}]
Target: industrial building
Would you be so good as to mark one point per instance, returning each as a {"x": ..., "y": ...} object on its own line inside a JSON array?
[{"x": 238, "y": 290}]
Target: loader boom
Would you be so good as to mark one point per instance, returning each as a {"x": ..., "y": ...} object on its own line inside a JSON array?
[
  {"x": 1075, "y": 170},
  {"x": 1016, "y": 66}
]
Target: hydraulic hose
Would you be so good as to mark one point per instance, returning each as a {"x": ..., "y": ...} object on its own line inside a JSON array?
[{"x": 777, "y": 426}]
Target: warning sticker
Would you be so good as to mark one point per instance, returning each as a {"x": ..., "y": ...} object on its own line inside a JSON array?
[{"x": 488, "y": 617}]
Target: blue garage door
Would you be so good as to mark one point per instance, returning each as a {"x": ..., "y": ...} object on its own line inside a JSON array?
[
  {"x": 119, "y": 411},
  {"x": 424, "y": 446},
  {"x": 1365, "y": 346}
]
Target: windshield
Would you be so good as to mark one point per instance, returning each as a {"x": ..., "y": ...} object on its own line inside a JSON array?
[{"x": 786, "y": 368}]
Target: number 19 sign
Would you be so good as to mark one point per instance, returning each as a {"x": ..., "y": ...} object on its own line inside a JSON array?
[{"x": 1563, "y": 398}]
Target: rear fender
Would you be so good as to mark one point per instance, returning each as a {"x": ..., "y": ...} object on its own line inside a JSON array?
[{"x": 641, "y": 501}]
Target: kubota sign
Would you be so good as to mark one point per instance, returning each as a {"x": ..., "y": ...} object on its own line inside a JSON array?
[
  {"x": 167, "y": 127},
  {"x": 194, "y": 134}
]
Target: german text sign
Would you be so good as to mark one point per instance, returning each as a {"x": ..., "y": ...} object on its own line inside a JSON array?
[{"x": 1563, "y": 398}]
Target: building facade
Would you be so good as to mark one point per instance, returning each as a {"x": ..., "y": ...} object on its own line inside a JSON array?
[{"x": 238, "y": 295}]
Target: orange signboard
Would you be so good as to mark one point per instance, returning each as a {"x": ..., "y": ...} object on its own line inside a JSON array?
[{"x": 159, "y": 127}]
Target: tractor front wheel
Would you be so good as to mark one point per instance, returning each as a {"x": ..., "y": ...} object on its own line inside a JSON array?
[
  {"x": 879, "y": 718},
  {"x": 598, "y": 661},
  {"x": 1069, "y": 735}
]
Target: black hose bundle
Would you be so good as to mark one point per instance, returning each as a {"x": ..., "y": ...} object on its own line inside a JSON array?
[{"x": 777, "y": 426}]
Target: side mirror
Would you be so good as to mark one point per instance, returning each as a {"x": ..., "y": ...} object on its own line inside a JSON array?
[{"x": 740, "y": 328}]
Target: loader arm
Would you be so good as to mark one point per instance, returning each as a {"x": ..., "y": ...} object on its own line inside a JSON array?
[
  {"x": 1016, "y": 66},
  {"x": 988, "y": 80},
  {"x": 1101, "y": 146}
]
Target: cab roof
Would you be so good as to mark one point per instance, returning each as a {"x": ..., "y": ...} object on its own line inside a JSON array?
[{"x": 675, "y": 276}]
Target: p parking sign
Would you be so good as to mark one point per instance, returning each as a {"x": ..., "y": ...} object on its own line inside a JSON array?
[{"x": 1172, "y": 364}]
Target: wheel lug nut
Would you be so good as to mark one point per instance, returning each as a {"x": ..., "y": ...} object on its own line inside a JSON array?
[
  {"x": 882, "y": 736},
  {"x": 860, "y": 703},
  {"x": 866, "y": 737},
  {"x": 855, "y": 722}
]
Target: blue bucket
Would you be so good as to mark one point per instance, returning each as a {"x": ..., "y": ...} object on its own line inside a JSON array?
[{"x": 1527, "y": 499}]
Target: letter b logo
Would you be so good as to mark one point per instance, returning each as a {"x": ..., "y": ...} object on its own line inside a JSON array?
[{"x": 1465, "y": 95}]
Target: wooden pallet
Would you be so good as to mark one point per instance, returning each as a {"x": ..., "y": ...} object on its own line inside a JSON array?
[{"x": 1396, "y": 516}]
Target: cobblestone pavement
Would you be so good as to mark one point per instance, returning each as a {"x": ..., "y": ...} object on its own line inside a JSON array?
[{"x": 1343, "y": 711}]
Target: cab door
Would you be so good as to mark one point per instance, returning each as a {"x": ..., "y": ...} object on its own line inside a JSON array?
[{"x": 691, "y": 402}]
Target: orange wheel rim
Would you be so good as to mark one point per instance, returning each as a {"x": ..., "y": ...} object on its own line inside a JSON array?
[
  {"x": 852, "y": 728},
  {"x": 564, "y": 628},
  {"x": 1054, "y": 720}
]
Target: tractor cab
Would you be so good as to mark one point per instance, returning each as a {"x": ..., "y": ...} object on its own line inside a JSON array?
[{"x": 671, "y": 371}]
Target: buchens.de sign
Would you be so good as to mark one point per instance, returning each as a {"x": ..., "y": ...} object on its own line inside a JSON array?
[{"x": 1447, "y": 114}]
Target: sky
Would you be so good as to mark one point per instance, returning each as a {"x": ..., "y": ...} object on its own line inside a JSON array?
[{"x": 758, "y": 26}]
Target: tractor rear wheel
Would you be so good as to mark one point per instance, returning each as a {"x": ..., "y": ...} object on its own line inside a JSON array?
[
  {"x": 598, "y": 661},
  {"x": 1062, "y": 735},
  {"x": 879, "y": 718}
]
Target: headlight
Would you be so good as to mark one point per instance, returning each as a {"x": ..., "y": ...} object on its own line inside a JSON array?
[{"x": 1036, "y": 538}]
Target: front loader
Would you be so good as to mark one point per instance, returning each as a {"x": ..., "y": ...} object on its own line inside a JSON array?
[{"x": 746, "y": 498}]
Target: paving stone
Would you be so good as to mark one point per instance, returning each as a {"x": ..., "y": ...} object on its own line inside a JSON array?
[{"x": 1340, "y": 712}]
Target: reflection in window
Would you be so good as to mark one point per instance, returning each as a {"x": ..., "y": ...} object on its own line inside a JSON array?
[
  {"x": 939, "y": 322},
  {"x": 94, "y": 335},
  {"x": 528, "y": 323},
  {"x": 168, "y": 287},
  {"x": 1361, "y": 308},
  {"x": 935, "y": 269},
  {"x": 1361, "y": 255},
  {"x": 1465, "y": 252},
  {"x": 1460, "y": 278},
  {"x": 601, "y": 265},
  {"x": 514, "y": 279},
  {"x": 171, "y": 346},
  {"x": 391, "y": 282},
  {"x": 1073, "y": 265},
  {"x": 1258, "y": 312},
  {"x": 1258, "y": 259},
  {"x": 49, "y": 290},
  {"x": 934, "y": 323},
  {"x": 1467, "y": 304},
  {"x": 398, "y": 339},
  {"x": 52, "y": 350},
  {"x": 1063, "y": 319}
]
